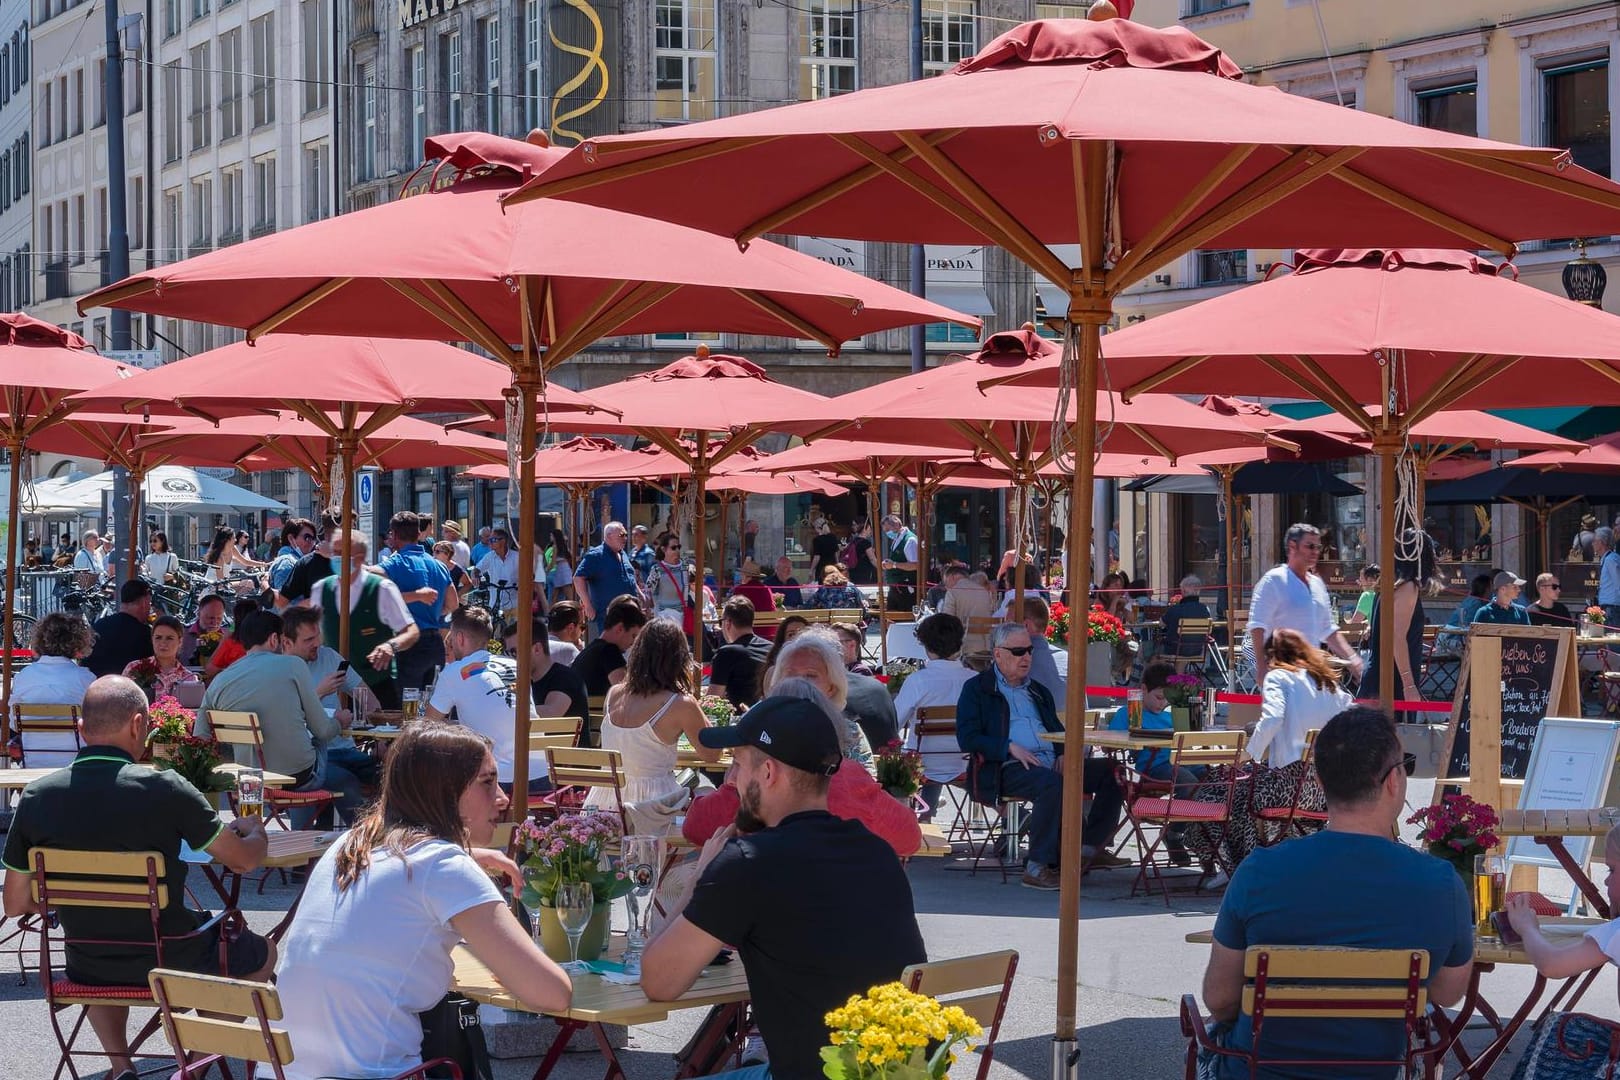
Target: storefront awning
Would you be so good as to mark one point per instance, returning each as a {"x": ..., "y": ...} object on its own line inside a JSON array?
[
  {"x": 1053, "y": 299},
  {"x": 968, "y": 299}
]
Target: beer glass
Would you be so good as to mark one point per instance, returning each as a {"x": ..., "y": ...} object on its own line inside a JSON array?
[
  {"x": 642, "y": 861},
  {"x": 1133, "y": 707},
  {"x": 1490, "y": 894},
  {"x": 250, "y": 794}
]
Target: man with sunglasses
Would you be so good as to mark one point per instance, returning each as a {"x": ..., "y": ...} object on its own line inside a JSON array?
[
  {"x": 1293, "y": 596},
  {"x": 1000, "y": 717},
  {"x": 1549, "y": 609},
  {"x": 297, "y": 540},
  {"x": 499, "y": 570},
  {"x": 1352, "y": 884}
]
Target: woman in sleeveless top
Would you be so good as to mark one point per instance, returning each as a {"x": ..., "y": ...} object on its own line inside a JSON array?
[
  {"x": 646, "y": 714},
  {"x": 224, "y": 556}
]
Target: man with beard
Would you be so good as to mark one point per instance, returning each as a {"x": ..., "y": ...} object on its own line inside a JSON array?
[{"x": 781, "y": 894}]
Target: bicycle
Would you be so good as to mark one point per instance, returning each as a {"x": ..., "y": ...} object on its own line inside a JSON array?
[{"x": 89, "y": 604}]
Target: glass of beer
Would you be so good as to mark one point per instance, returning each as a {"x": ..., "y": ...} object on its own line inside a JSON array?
[
  {"x": 250, "y": 794},
  {"x": 1133, "y": 708},
  {"x": 410, "y": 704},
  {"x": 1490, "y": 894}
]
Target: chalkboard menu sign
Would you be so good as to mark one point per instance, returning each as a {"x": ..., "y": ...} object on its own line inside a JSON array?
[{"x": 1534, "y": 675}]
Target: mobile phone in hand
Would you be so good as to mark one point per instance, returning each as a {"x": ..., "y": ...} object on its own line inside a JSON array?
[
  {"x": 1504, "y": 929},
  {"x": 343, "y": 667}
]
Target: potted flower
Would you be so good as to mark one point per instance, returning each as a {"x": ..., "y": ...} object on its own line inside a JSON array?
[
  {"x": 208, "y": 643},
  {"x": 720, "y": 711},
  {"x": 894, "y": 1034},
  {"x": 194, "y": 757},
  {"x": 1057, "y": 624},
  {"x": 1456, "y": 829},
  {"x": 897, "y": 670},
  {"x": 571, "y": 847},
  {"x": 1181, "y": 691},
  {"x": 1592, "y": 620},
  {"x": 899, "y": 771}
]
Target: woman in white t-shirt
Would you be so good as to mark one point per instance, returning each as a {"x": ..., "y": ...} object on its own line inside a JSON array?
[
  {"x": 370, "y": 946},
  {"x": 162, "y": 565}
]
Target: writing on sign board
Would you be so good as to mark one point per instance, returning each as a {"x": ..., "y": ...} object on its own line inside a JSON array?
[{"x": 1529, "y": 678}]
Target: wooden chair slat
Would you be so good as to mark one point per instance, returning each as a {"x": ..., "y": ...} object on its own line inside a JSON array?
[
  {"x": 234, "y": 1039},
  {"x": 1329, "y": 1002},
  {"x": 100, "y": 865},
  {"x": 215, "y": 993},
  {"x": 1331, "y": 962}
]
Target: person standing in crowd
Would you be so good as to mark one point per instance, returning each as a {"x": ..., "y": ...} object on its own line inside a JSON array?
[
  {"x": 967, "y": 600},
  {"x": 604, "y": 574},
  {"x": 380, "y": 625},
  {"x": 1293, "y": 596},
  {"x": 824, "y": 548},
  {"x": 1580, "y": 548},
  {"x": 425, "y": 584},
  {"x": 481, "y": 548},
  {"x": 1415, "y": 567},
  {"x": 498, "y": 570},
  {"x": 1368, "y": 580},
  {"x": 1502, "y": 611},
  {"x": 309, "y": 568},
  {"x": 667, "y": 589},
  {"x": 782, "y": 583},
  {"x": 1608, "y": 597},
  {"x": 297, "y": 540},
  {"x": 226, "y": 556},
  {"x": 900, "y": 563},
  {"x": 450, "y": 533},
  {"x": 162, "y": 565},
  {"x": 91, "y": 562},
  {"x": 125, "y": 634},
  {"x": 642, "y": 555},
  {"x": 859, "y": 560},
  {"x": 1549, "y": 610},
  {"x": 560, "y": 578},
  {"x": 460, "y": 580}
]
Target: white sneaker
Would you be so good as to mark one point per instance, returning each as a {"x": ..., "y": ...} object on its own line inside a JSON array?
[
  {"x": 754, "y": 1052},
  {"x": 1217, "y": 881}
]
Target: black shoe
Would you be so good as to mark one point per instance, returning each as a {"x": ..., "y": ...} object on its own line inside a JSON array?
[{"x": 1178, "y": 856}]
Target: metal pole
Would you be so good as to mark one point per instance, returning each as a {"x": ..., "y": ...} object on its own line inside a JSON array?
[
  {"x": 919, "y": 267},
  {"x": 14, "y": 448},
  {"x": 117, "y": 235}
]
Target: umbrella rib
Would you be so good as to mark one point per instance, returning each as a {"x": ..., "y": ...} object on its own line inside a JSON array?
[
  {"x": 1423, "y": 406},
  {"x": 1143, "y": 386},
  {"x": 1603, "y": 369},
  {"x": 494, "y": 345},
  {"x": 1402, "y": 201},
  {"x": 737, "y": 441},
  {"x": 111, "y": 297},
  {"x": 597, "y": 306},
  {"x": 984, "y": 442},
  {"x": 804, "y": 326},
  {"x": 1195, "y": 195},
  {"x": 828, "y": 192},
  {"x": 297, "y": 307},
  {"x": 1037, "y": 254},
  {"x": 1158, "y": 446},
  {"x": 645, "y": 295},
  {"x": 1457, "y": 389},
  {"x": 500, "y": 347},
  {"x": 1271, "y": 188},
  {"x": 656, "y": 163},
  {"x": 1316, "y": 384},
  {"x": 1526, "y": 175}
]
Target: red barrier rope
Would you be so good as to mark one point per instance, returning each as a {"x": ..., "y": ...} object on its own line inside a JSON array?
[{"x": 1254, "y": 699}]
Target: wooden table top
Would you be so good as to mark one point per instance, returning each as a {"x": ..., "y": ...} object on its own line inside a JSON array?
[
  {"x": 1596, "y": 821},
  {"x": 934, "y": 844},
  {"x": 298, "y": 847},
  {"x": 1107, "y": 739},
  {"x": 1559, "y": 930},
  {"x": 1610, "y": 641},
  {"x": 17, "y": 779},
  {"x": 687, "y": 758},
  {"x": 380, "y": 734},
  {"x": 598, "y": 1001}
]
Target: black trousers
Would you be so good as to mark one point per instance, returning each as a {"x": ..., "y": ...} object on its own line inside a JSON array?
[{"x": 418, "y": 663}]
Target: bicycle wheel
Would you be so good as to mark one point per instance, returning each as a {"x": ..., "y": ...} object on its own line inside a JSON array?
[{"x": 22, "y": 630}]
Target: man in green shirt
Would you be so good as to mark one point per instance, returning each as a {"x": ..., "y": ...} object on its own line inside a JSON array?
[
  {"x": 106, "y": 802},
  {"x": 1505, "y": 588}
]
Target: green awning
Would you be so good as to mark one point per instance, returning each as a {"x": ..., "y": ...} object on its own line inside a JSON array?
[
  {"x": 1571, "y": 422},
  {"x": 1300, "y": 410}
]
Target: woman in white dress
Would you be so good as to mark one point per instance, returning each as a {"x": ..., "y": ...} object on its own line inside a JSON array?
[
  {"x": 225, "y": 558},
  {"x": 643, "y": 718}
]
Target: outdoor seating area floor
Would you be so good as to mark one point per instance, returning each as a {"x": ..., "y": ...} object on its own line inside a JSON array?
[{"x": 1135, "y": 965}]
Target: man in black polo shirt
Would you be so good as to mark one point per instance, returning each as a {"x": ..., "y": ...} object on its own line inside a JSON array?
[
  {"x": 126, "y": 634},
  {"x": 738, "y": 662},
  {"x": 817, "y": 906},
  {"x": 601, "y": 663},
  {"x": 105, "y": 802},
  {"x": 309, "y": 569},
  {"x": 558, "y": 689}
]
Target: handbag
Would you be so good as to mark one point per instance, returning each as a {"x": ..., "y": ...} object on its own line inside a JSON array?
[
  {"x": 1570, "y": 1046},
  {"x": 451, "y": 1030}
]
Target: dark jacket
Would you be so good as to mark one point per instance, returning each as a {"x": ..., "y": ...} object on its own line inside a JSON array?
[{"x": 983, "y": 720}]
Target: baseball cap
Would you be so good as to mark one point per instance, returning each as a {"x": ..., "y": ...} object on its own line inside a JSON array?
[
  {"x": 796, "y": 732},
  {"x": 1503, "y": 579}
]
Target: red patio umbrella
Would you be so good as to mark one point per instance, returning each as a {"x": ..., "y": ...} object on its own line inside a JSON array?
[
  {"x": 40, "y": 366},
  {"x": 1140, "y": 146},
  {"x": 533, "y": 287},
  {"x": 1601, "y": 455}
]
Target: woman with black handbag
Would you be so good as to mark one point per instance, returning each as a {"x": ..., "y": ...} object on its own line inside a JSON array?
[{"x": 368, "y": 953}]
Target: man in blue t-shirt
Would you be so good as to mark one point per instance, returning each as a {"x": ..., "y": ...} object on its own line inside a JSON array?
[
  {"x": 1383, "y": 895},
  {"x": 425, "y": 584},
  {"x": 604, "y": 573}
]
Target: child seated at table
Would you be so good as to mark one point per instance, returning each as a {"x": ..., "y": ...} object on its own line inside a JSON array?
[{"x": 1154, "y": 763}]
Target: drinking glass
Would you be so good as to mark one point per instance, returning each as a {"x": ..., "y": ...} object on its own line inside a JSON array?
[
  {"x": 411, "y": 700},
  {"x": 250, "y": 794},
  {"x": 642, "y": 859},
  {"x": 1490, "y": 894},
  {"x": 574, "y": 904}
]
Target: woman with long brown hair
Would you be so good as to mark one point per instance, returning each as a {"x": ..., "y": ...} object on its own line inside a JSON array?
[
  {"x": 369, "y": 948},
  {"x": 646, "y": 715}
]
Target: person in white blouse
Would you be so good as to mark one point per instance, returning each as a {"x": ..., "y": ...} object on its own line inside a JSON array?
[
  {"x": 938, "y": 682},
  {"x": 1301, "y": 692},
  {"x": 55, "y": 678},
  {"x": 1598, "y": 946}
]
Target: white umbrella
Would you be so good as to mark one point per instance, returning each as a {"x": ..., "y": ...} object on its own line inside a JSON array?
[{"x": 174, "y": 488}]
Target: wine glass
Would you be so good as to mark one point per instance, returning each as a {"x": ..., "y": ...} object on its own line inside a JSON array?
[
  {"x": 574, "y": 904},
  {"x": 642, "y": 858}
]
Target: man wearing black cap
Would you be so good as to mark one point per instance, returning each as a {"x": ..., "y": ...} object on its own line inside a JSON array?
[
  {"x": 1502, "y": 610},
  {"x": 818, "y": 907}
]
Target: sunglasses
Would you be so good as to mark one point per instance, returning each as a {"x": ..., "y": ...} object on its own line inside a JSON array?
[
  {"x": 1311, "y": 547},
  {"x": 1017, "y": 650},
  {"x": 1554, "y": 586},
  {"x": 1407, "y": 762}
]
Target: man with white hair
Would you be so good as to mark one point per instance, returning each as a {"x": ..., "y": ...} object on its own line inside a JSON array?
[
  {"x": 1190, "y": 606},
  {"x": 604, "y": 574},
  {"x": 91, "y": 561}
]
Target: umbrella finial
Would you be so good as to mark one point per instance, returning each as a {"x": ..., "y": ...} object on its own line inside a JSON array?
[{"x": 1102, "y": 10}]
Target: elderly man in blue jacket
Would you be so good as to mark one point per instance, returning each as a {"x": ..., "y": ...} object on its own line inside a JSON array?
[{"x": 1000, "y": 717}]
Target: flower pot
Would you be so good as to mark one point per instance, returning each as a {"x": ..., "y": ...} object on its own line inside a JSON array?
[
  {"x": 901, "y": 794},
  {"x": 1181, "y": 717},
  {"x": 554, "y": 942},
  {"x": 1100, "y": 671}
]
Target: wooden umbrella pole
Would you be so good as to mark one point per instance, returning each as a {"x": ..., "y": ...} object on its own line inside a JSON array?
[
  {"x": 722, "y": 573},
  {"x": 1079, "y": 543},
  {"x": 925, "y": 501},
  {"x": 699, "y": 483},
  {"x": 14, "y": 449},
  {"x": 527, "y": 381},
  {"x": 1226, "y": 473},
  {"x": 345, "y": 450},
  {"x": 1386, "y": 445},
  {"x": 1020, "y": 493},
  {"x": 872, "y": 498}
]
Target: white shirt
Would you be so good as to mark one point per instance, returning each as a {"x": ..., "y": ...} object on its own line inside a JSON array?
[
  {"x": 462, "y": 554},
  {"x": 563, "y": 652},
  {"x": 938, "y": 683},
  {"x": 494, "y": 570},
  {"x": 94, "y": 561},
  {"x": 50, "y": 680},
  {"x": 1281, "y": 601},
  {"x": 391, "y": 607},
  {"x": 1607, "y": 939},
  {"x": 162, "y": 562},
  {"x": 479, "y": 688},
  {"x": 358, "y": 966},
  {"x": 1290, "y": 705}
]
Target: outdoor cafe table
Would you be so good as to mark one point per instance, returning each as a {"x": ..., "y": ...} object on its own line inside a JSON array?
[
  {"x": 17, "y": 779},
  {"x": 596, "y": 1001},
  {"x": 1487, "y": 954},
  {"x": 1109, "y": 739}
]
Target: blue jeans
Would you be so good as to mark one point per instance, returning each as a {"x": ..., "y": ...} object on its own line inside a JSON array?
[
  {"x": 752, "y": 1072},
  {"x": 329, "y": 776}
]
